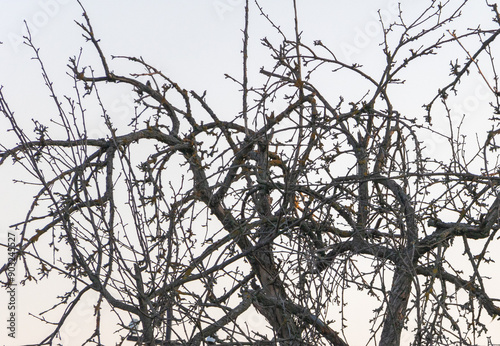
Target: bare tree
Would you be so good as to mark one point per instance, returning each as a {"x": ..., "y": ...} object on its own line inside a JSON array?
[{"x": 184, "y": 221}]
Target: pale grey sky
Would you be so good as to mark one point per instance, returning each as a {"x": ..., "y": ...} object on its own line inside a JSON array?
[{"x": 194, "y": 42}]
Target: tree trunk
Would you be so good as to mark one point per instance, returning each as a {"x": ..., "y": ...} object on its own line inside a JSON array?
[{"x": 398, "y": 301}]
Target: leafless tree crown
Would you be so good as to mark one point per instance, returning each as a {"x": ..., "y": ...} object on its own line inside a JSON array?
[{"x": 185, "y": 221}]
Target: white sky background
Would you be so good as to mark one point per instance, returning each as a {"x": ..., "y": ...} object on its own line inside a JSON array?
[{"x": 194, "y": 42}]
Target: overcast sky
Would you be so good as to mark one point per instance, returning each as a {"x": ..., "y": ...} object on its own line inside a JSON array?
[{"x": 194, "y": 42}]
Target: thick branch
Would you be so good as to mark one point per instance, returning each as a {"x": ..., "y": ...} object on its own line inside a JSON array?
[
  {"x": 469, "y": 286},
  {"x": 445, "y": 231},
  {"x": 303, "y": 314}
]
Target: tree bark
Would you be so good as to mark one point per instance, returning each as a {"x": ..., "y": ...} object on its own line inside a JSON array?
[{"x": 398, "y": 301}]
